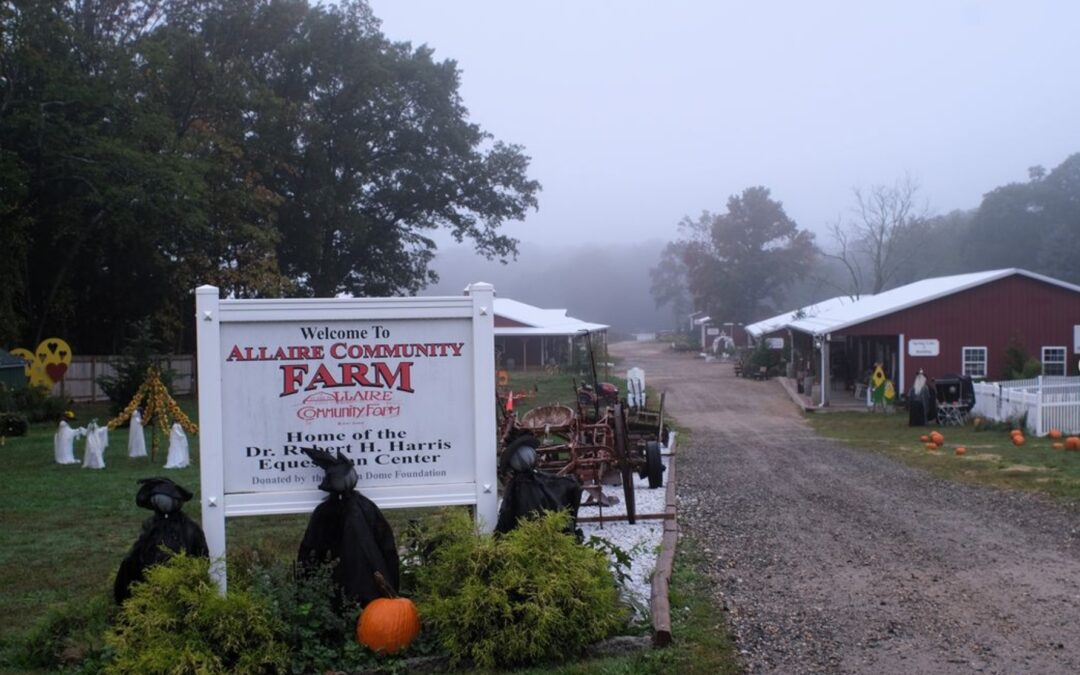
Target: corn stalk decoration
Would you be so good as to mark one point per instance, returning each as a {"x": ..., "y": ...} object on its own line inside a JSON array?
[{"x": 158, "y": 406}]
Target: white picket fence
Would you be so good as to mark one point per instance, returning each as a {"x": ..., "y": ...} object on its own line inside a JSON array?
[{"x": 1051, "y": 402}]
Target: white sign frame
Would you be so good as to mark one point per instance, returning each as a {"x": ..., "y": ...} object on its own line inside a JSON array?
[
  {"x": 476, "y": 307},
  {"x": 924, "y": 347}
]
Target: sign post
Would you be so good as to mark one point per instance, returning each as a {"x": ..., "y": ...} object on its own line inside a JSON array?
[{"x": 403, "y": 387}]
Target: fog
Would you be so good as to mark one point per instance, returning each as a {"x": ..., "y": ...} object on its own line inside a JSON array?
[
  {"x": 606, "y": 284},
  {"x": 636, "y": 114}
]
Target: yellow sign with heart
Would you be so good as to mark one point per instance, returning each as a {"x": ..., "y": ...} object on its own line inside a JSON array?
[{"x": 46, "y": 365}]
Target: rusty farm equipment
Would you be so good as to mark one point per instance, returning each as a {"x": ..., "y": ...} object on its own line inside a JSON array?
[{"x": 599, "y": 450}]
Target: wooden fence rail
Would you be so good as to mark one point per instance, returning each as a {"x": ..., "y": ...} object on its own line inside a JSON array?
[{"x": 80, "y": 381}]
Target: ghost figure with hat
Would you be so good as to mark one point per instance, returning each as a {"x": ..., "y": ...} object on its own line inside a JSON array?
[
  {"x": 97, "y": 439},
  {"x": 166, "y": 532},
  {"x": 178, "y": 456},
  {"x": 64, "y": 443},
  {"x": 136, "y": 439},
  {"x": 348, "y": 530}
]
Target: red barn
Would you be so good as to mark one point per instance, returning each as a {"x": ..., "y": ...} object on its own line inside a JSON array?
[{"x": 960, "y": 324}]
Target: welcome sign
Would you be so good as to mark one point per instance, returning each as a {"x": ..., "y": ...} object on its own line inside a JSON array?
[{"x": 402, "y": 387}]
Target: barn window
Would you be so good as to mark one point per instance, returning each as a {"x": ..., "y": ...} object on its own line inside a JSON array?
[
  {"x": 1053, "y": 360},
  {"x": 974, "y": 361}
]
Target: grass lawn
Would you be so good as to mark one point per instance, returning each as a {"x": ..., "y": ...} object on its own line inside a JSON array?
[
  {"x": 991, "y": 456},
  {"x": 66, "y": 529}
]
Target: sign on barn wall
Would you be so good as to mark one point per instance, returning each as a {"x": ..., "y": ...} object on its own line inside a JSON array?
[
  {"x": 774, "y": 342},
  {"x": 403, "y": 387},
  {"x": 929, "y": 347}
]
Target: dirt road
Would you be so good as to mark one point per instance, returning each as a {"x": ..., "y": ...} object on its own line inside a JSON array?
[{"x": 833, "y": 560}]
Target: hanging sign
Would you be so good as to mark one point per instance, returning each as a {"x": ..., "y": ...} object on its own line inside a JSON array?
[
  {"x": 930, "y": 347},
  {"x": 402, "y": 387}
]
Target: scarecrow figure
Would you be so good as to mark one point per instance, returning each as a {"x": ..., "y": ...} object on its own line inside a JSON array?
[
  {"x": 350, "y": 531},
  {"x": 529, "y": 492},
  {"x": 168, "y": 531}
]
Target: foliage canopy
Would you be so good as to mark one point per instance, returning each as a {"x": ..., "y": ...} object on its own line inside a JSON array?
[{"x": 269, "y": 148}]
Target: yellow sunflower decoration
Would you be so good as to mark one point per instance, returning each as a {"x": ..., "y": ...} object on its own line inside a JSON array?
[{"x": 158, "y": 406}]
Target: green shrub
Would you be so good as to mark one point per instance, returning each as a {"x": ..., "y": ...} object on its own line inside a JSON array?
[
  {"x": 67, "y": 635},
  {"x": 320, "y": 627},
  {"x": 176, "y": 622},
  {"x": 13, "y": 424},
  {"x": 34, "y": 402},
  {"x": 532, "y": 595}
]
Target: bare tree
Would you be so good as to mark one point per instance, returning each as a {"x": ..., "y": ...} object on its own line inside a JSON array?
[{"x": 883, "y": 236}]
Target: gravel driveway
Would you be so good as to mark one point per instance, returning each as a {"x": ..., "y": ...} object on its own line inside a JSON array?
[{"x": 832, "y": 560}]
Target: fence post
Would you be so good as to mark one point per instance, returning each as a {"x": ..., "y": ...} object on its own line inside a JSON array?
[{"x": 1039, "y": 408}]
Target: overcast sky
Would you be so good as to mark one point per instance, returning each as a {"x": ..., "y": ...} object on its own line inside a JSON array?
[{"x": 638, "y": 113}]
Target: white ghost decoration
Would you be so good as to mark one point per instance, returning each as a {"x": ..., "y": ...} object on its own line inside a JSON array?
[
  {"x": 136, "y": 440},
  {"x": 178, "y": 448},
  {"x": 97, "y": 439},
  {"x": 64, "y": 443}
]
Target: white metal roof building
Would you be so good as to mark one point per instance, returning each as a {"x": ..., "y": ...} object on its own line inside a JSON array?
[
  {"x": 959, "y": 324},
  {"x": 529, "y": 337}
]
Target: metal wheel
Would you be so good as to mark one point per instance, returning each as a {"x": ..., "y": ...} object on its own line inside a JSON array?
[{"x": 654, "y": 465}]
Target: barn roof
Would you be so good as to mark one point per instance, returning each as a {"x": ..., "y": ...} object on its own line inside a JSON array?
[
  {"x": 903, "y": 297},
  {"x": 782, "y": 320},
  {"x": 539, "y": 321}
]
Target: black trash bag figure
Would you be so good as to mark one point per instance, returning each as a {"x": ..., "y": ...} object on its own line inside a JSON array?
[
  {"x": 530, "y": 492},
  {"x": 166, "y": 532},
  {"x": 349, "y": 528}
]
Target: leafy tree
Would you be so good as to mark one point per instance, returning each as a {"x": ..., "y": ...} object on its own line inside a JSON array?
[
  {"x": 1031, "y": 225},
  {"x": 669, "y": 284},
  {"x": 1061, "y": 214},
  {"x": 739, "y": 261},
  {"x": 270, "y": 148}
]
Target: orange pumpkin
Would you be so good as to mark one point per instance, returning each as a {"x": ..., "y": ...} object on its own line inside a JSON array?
[
  {"x": 1018, "y": 440},
  {"x": 961, "y": 450},
  {"x": 388, "y": 625},
  {"x": 936, "y": 437},
  {"x": 1015, "y": 432},
  {"x": 931, "y": 446},
  {"x": 1072, "y": 443},
  {"x": 1055, "y": 434},
  {"x": 1057, "y": 446},
  {"x": 924, "y": 439}
]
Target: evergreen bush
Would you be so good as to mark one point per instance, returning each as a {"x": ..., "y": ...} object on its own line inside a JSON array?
[
  {"x": 141, "y": 353},
  {"x": 532, "y": 595},
  {"x": 176, "y": 622},
  {"x": 13, "y": 424}
]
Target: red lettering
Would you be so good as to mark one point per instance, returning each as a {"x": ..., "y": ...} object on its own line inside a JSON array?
[
  {"x": 294, "y": 377},
  {"x": 402, "y": 375}
]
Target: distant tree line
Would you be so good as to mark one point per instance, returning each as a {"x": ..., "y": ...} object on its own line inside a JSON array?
[
  {"x": 269, "y": 148},
  {"x": 753, "y": 261}
]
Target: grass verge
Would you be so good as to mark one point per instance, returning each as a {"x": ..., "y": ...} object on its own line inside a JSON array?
[
  {"x": 702, "y": 643},
  {"x": 991, "y": 458}
]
